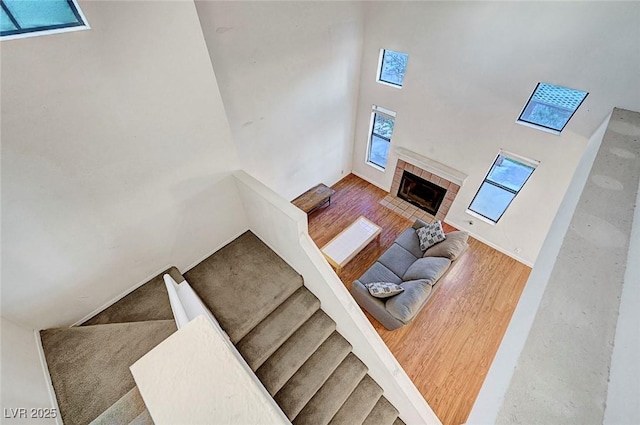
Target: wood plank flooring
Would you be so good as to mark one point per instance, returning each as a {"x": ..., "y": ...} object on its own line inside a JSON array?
[{"x": 448, "y": 348}]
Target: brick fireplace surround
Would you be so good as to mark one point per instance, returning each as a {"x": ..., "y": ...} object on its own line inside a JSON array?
[{"x": 410, "y": 211}]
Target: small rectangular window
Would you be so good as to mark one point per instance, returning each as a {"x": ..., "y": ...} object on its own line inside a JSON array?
[
  {"x": 23, "y": 18},
  {"x": 382, "y": 122},
  {"x": 551, "y": 107},
  {"x": 503, "y": 182},
  {"x": 392, "y": 67}
]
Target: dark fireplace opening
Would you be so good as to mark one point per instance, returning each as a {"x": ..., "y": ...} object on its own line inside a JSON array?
[{"x": 421, "y": 193}]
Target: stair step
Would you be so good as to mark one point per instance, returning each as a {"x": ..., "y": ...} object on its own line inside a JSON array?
[
  {"x": 312, "y": 375},
  {"x": 333, "y": 393},
  {"x": 243, "y": 283},
  {"x": 291, "y": 355},
  {"x": 268, "y": 336},
  {"x": 89, "y": 365},
  {"x": 398, "y": 421},
  {"x": 143, "y": 418},
  {"x": 148, "y": 302},
  {"x": 359, "y": 404},
  {"x": 123, "y": 411},
  {"x": 383, "y": 413}
]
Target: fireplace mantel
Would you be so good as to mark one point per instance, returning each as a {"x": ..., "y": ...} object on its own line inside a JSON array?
[{"x": 431, "y": 165}]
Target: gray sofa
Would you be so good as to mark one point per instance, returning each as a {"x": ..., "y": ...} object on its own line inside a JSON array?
[{"x": 418, "y": 272}]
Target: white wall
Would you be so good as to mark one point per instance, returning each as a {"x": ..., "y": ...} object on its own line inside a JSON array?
[
  {"x": 471, "y": 68},
  {"x": 23, "y": 378},
  {"x": 116, "y": 154},
  {"x": 288, "y": 73}
]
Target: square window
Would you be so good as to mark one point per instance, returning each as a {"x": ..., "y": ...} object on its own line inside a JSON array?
[
  {"x": 22, "y": 18},
  {"x": 551, "y": 107},
  {"x": 392, "y": 67},
  {"x": 382, "y": 122},
  {"x": 503, "y": 182}
]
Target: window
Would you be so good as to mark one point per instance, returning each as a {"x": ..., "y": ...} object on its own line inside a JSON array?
[
  {"x": 504, "y": 181},
  {"x": 24, "y": 18},
  {"x": 551, "y": 107},
  {"x": 382, "y": 121},
  {"x": 392, "y": 67}
]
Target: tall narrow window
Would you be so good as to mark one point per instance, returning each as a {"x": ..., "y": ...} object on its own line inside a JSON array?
[
  {"x": 23, "y": 18},
  {"x": 382, "y": 121},
  {"x": 551, "y": 107},
  {"x": 392, "y": 67},
  {"x": 505, "y": 179}
]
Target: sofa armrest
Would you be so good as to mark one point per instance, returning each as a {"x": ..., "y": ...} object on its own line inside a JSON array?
[{"x": 375, "y": 306}]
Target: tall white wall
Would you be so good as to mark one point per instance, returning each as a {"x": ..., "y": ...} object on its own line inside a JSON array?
[
  {"x": 288, "y": 73},
  {"x": 472, "y": 66},
  {"x": 23, "y": 378},
  {"x": 116, "y": 155}
]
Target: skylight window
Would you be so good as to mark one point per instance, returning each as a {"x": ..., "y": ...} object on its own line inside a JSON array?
[
  {"x": 503, "y": 182},
  {"x": 551, "y": 107},
  {"x": 24, "y": 18},
  {"x": 392, "y": 67}
]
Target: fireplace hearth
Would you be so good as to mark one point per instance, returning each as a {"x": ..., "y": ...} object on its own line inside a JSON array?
[{"x": 422, "y": 193}]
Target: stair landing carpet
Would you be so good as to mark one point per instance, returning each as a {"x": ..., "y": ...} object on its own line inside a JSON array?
[{"x": 89, "y": 365}]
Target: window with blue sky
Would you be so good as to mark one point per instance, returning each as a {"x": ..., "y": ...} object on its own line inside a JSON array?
[
  {"x": 382, "y": 123},
  {"x": 551, "y": 107},
  {"x": 22, "y": 18},
  {"x": 503, "y": 182},
  {"x": 392, "y": 66}
]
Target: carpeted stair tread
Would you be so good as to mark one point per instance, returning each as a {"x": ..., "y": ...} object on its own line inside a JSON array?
[
  {"x": 148, "y": 302},
  {"x": 123, "y": 411},
  {"x": 89, "y": 365},
  {"x": 268, "y": 336},
  {"x": 143, "y": 418},
  {"x": 291, "y": 355},
  {"x": 333, "y": 393},
  {"x": 383, "y": 413},
  {"x": 398, "y": 421},
  {"x": 243, "y": 283},
  {"x": 359, "y": 404},
  {"x": 293, "y": 396}
]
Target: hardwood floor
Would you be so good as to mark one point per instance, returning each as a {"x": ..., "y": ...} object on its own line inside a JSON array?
[{"x": 448, "y": 348}]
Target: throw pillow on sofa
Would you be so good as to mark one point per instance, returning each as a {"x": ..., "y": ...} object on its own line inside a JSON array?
[
  {"x": 451, "y": 248},
  {"x": 430, "y": 235},
  {"x": 383, "y": 289}
]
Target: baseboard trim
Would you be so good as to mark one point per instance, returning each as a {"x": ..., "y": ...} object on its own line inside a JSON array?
[
  {"x": 376, "y": 184},
  {"x": 47, "y": 376},
  {"x": 491, "y": 244}
]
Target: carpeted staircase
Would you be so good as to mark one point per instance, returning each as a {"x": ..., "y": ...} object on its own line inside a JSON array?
[{"x": 268, "y": 313}]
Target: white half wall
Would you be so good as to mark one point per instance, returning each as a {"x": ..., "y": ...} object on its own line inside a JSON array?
[
  {"x": 288, "y": 73},
  {"x": 116, "y": 154},
  {"x": 23, "y": 379},
  {"x": 472, "y": 66}
]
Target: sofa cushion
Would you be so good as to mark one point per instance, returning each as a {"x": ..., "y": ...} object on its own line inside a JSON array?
[
  {"x": 397, "y": 259},
  {"x": 379, "y": 273},
  {"x": 450, "y": 248},
  {"x": 383, "y": 289},
  {"x": 406, "y": 305},
  {"x": 430, "y": 235},
  {"x": 409, "y": 241},
  {"x": 429, "y": 268}
]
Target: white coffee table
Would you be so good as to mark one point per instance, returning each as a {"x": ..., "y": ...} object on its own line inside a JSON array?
[{"x": 341, "y": 249}]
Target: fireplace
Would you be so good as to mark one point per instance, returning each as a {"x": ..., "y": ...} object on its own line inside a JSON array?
[{"x": 421, "y": 193}]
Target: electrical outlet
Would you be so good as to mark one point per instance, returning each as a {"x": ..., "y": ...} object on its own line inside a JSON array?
[{"x": 517, "y": 250}]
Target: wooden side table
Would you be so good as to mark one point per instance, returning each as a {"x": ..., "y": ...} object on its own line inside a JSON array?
[{"x": 314, "y": 198}]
